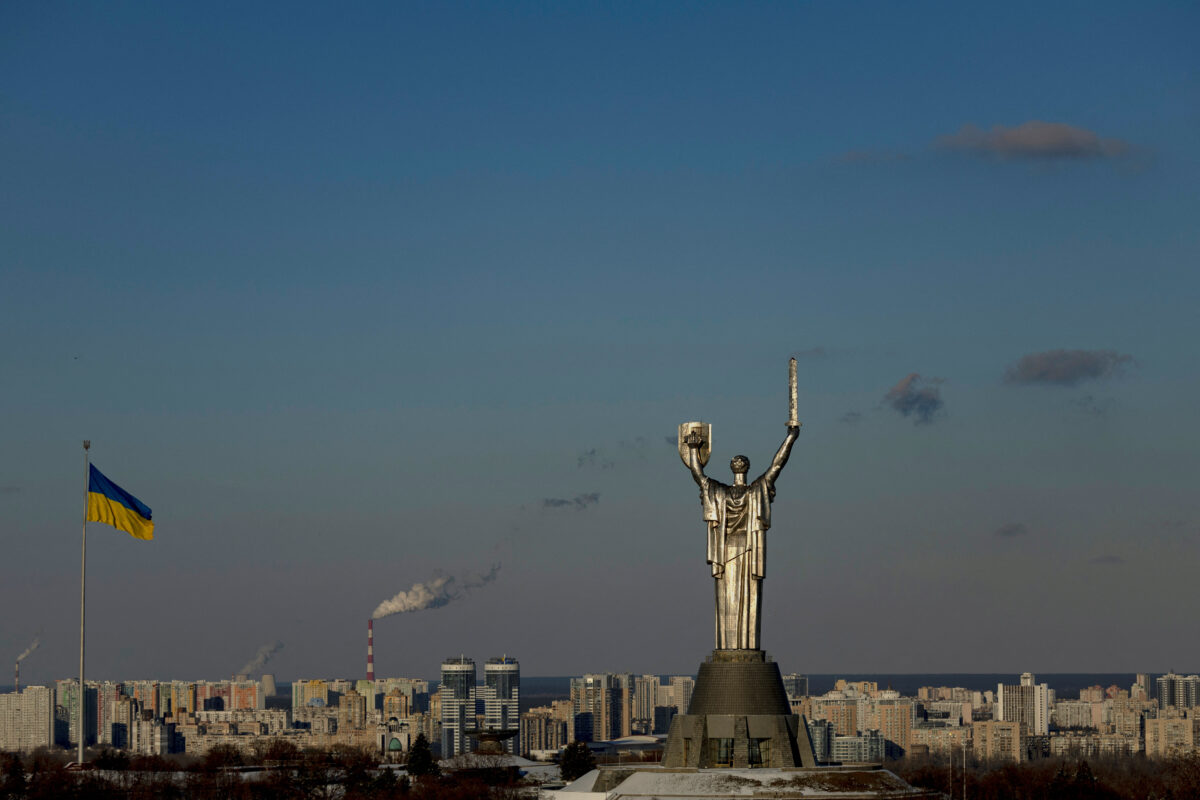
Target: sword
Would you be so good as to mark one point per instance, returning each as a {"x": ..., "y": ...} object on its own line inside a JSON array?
[{"x": 793, "y": 413}]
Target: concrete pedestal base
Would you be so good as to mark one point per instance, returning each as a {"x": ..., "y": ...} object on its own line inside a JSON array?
[{"x": 738, "y": 717}]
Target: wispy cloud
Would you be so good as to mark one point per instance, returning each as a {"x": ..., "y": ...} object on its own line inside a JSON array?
[
  {"x": 1107, "y": 559},
  {"x": 1066, "y": 367},
  {"x": 578, "y": 502},
  {"x": 814, "y": 353},
  {"x": 1034, "y": 140},
  {"x": 851, "y": 417},
  {"x": 910, "y": 399},
  {"x": 1011, "y": 530},
  {"x": 593, "y": 457},
  {"x": 607, "y": 458},
  {"x": 10, "y": 489}
]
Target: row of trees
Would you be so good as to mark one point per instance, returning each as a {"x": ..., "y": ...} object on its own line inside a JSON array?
[
  {"x": 1061, "y": 779},
  {"x": 288, "y": 773}
]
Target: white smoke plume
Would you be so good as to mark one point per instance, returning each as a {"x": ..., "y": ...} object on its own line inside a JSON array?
[
  {"x": 33, "y": 646},
  {"x": 260, "y": 658},
  {"x": 436, "y": 592}
]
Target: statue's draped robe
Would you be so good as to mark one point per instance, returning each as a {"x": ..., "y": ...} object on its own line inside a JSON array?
[{"x": 737, "y": 522}]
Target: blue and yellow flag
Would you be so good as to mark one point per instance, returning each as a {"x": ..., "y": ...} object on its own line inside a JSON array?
[{"x": 112, "y": 505}]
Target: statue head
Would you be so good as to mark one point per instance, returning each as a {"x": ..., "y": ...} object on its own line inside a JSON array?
[{"x": 740, "y": 465}]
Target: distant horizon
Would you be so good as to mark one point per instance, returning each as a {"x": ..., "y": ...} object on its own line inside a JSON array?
[{"x": 831, "y": 676}]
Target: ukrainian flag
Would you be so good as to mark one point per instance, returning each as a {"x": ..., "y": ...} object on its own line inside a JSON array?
[{"x": 112, "y": 505}]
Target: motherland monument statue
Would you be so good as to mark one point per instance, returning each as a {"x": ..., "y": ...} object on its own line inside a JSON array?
[{"x": 739, "y": 714}]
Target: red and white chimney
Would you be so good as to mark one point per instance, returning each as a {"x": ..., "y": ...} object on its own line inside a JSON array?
[{"x": 370, "y": 649}]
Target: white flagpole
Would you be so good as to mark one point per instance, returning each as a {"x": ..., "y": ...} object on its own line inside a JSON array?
[{"x": 87, "y": 444}]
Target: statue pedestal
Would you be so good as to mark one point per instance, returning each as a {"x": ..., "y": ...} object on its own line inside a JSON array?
[{"x": 739, "y": 716}]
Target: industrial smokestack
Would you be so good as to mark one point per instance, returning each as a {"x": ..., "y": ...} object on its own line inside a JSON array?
[
  {"x": 37, "y": 640},
  {"x": 370, "y": 649}
]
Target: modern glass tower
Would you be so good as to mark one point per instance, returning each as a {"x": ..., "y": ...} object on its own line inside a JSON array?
[
  {"x": 458, "y": 704},
  {"x": 502, "y": 696}
]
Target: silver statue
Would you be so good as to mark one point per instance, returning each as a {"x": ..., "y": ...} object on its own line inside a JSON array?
[{"x": 738, "y": 517}]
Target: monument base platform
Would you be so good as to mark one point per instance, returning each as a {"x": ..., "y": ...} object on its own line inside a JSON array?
[
  {"x": 847, "y": 782},
  {"x": 739, "y": 716}
]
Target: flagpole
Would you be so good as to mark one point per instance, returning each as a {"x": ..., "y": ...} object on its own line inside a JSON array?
[{"x": 87, "y": 444}]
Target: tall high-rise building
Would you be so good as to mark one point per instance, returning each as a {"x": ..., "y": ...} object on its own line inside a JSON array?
[
  {"x": 502, "y": 698},
  {"x": 796, "y": 685},
  {"x": 147, "y": 694},
  {"x": 309, "y": 693},
  {"x": 1166, "y": 737},
  {"x": 541, "y": 730},
  {"x": 122, "y": 714},
  {"x": 179, "y": 697},
  {"x": 895, "y": 723},
  {"x": 681, "y": 690},
  {"x": 645, "y": 698},
  {"x": 458, "y": 704},
  {"x": 107, "y": 694},
  {"x": 623, "y": 725},
  {"x": 396, "y": 705},
  {"x": 246, "y": 695},
  {"x": 67, "y": 702},
  {"x": 842, "y": 713},
  {"x": 821, "y": 733},
  {"x": 214, "y": 696},
  {"x": 352, "y": 711},
  {"x": 602, "y": 703},
  {"x": 1027, "y": 704},
  {"x": 1178, "y": 691},
  {"x": 26, "y": 720}
]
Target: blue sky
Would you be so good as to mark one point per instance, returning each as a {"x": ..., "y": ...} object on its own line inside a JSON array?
[{"x": 346, "y": 295}]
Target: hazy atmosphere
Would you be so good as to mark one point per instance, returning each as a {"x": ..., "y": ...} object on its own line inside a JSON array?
[{"x": 357, "y": 299}]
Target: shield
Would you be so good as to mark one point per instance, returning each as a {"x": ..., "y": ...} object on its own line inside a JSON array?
[{"x": 705, "y": 430}]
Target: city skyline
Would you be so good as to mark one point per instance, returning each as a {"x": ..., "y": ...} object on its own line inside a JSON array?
[
  {"x": 859, "y": 720},
  {"x": 417, "y": 296}
]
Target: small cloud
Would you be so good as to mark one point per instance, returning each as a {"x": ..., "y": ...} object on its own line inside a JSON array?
[
  {"x": 1107, "y": 559},
  {"x": 851, "y": 417},
  {"x": 1066, "y": 367},
  {"x": 672, "y": 440},
  {"x": 594, "y": 457},
  {"x": 1011, "y": 530},
  {"x": 1090, "y": 404},
  {"x": 1034, "y": 140},
  {"x": 922, "y": 403},
  {"x": 871, "y": 157},
  {"x": 579, "y": 502},
  {"x": 814, "y": 353},
  {"x": 10, "y": 489},
  {"x": 626, "y": 449}
]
